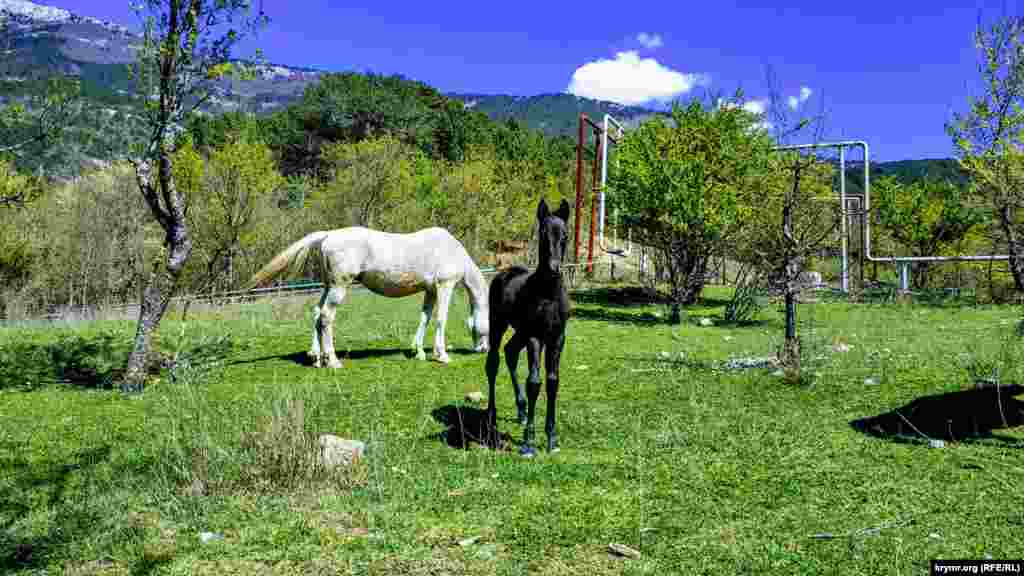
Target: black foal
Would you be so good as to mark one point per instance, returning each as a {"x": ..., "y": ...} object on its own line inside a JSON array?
[{"x": 536, "y": 306}]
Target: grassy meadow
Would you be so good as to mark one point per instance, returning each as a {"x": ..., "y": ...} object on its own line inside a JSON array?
[{"x": 703, "y": 469}]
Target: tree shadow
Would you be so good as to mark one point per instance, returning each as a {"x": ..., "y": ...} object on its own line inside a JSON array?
[
  {"x": 624, "y": 297},
  {"x": 619, "y": 316},
  {"x": 966, "y": 416},
  {"x": 77, "y": 521},
  {"x": 90, "y": 361},
  {"x": 467, "y": 425}
]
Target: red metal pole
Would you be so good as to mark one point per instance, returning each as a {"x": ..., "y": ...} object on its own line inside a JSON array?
[
  {"x": 579, "y": 187},
  {"x": 595, "y": 188}
]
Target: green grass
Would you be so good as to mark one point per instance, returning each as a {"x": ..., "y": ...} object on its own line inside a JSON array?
[{"x": 701, "y": 469}]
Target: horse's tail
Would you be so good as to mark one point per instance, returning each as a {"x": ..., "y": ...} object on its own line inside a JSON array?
[{"x": 291, "y": 257}]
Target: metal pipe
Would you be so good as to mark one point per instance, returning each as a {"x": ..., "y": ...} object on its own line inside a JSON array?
[
  {"x": 845, "y": 274},
  {"x": 604, "y": 178},
  {"x": 866, "y": 216},
  {"x": 579, "y": 189},
  {"x": 594, "y": 188}
]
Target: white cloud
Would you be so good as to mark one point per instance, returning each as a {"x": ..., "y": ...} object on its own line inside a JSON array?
[
  {"x": 758, "y": 107},
  {"x": 795, "y": 101},
  {"x": 649, "y": 41},
  {"x": 631, "y": 80}
]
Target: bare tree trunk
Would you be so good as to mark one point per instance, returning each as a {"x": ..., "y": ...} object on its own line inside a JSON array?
[
  {"x": 1014, "y": 248},
  {"x": 168, "y": 206}
]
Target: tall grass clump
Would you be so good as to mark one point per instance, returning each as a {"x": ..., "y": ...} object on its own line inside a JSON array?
[{"x": 265, "y": 443}]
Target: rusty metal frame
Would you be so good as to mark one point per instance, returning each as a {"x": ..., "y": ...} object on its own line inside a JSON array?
[{"x": 598, "y": 131}]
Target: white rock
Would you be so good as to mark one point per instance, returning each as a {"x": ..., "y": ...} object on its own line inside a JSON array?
[
  {"x": 335, "y": 451},
  {"x": 706, "y": 322},
  {"x": 206, "y": 537},
  {"x": 623, "y": 550}
]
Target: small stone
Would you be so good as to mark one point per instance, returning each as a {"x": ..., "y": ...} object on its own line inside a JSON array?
[
  {"x": 935, "y": 536},
  {"x": 475, "y": 397},
  {"x": 871, "y": 381},
  {"x": 706, "y": 322},
  {"x": 988, "y": 556},
  {"x": 623, "y": 550},
  {"x": 468, "y": 541},
  {"x": 937, "y": 443},
  {"x": 197, "y": 488},
  {"x": 335, "y": 451},
  {"x": 207, "y": 537},
  {"x": 841, "y": 347}
]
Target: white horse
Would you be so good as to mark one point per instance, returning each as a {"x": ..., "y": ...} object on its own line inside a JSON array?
[{"x": 393, "y": 265}]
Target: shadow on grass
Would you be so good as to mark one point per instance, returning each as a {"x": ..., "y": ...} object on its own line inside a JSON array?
[
  {"x": 621, "y": 297},
  {"x": 611, "y": 315},
  {"x": 630, "y": 296},
  {"x": 76, "y": 519},
  {"x": 88, "y": 361},
  {"x": 466, "y": 425},
  {"x": 303, "y": 359},
  {"x": 966, "y": 416}
]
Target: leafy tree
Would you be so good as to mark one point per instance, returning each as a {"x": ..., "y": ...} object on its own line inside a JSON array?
[
  {"x": 679, "y": 183},
  {"x": 928, "y": 217},
  {"x": 791, "y": 215},
  {"x": 370, "y": 179},
  {"x": 186, "y": 47},
  {"x": 239, "y": 180},
  {"x": 989, "y": 137}
]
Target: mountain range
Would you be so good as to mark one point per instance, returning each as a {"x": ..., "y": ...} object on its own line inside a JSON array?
[{"x": 38, "y": 40}]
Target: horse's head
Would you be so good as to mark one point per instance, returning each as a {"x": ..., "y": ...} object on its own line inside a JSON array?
[{"x": 554, "y": 235}]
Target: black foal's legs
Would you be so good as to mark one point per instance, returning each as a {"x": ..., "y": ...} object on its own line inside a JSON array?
[
  {"x": 492, "y": 373},
  {"x": 532, "y": 391},
  {"x": 512, "y": 349},
  {"x": 552, "y": 359}
]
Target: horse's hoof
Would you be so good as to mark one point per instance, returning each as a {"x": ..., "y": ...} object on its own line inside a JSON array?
[
  {"x": 443, "y": 359},
  {"x": 527, "y": 452},
  {"x": 335, "y": 364},
  {"x": 554, "y": 449},
  {"x": 421, "y": 355}
]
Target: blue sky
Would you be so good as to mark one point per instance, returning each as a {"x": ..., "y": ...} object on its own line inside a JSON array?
[{"x": 887, "y": 72}]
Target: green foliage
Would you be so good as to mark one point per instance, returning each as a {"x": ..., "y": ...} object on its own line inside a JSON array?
[
  {"x": 928, "y": 217},
  {"x": 989, "y": 137},
  {"x": 231, "y": 197},
  {"x": 793, "y": 189},
  {"x": 749, "y": 296},
  {"x": 370, "y": 180},
  {"x": 679, "y": 185}
]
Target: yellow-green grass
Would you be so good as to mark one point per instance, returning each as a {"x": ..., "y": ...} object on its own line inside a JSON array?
[{"x": 701, "y": 469}]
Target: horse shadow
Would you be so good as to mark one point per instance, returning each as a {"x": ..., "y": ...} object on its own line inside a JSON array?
[
  {"x": 466, "y": 425},
  {"x": 966, "y": 416},
  {"x": 303, "y": 359}
]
